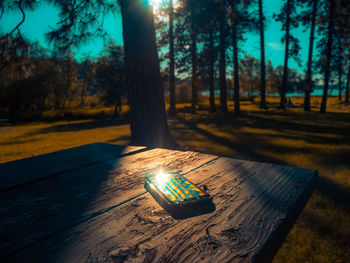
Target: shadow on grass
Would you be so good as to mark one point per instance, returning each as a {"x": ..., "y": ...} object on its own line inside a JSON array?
[
  {"x": 333, "y": 191},
  {"x": 310, "y": 128},
  {"x": 251, "y": 145},
  {"x": 17, "y": 142},
  {"x": 120, "y": 138},
  {"x": 79, "y": 126}
]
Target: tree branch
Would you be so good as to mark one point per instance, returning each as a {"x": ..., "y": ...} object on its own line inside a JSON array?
[{"x": 22, "y": 21}]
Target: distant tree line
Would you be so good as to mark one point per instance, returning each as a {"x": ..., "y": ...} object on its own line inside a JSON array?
[{"x": 34, "y": 80}]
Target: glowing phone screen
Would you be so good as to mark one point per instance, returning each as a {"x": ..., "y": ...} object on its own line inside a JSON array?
[{"x": 176, "y": 187}]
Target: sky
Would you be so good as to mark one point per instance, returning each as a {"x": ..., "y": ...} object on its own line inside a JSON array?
[{"x": 39, "y": 21}]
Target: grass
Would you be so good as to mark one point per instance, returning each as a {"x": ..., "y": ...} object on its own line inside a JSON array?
[{"x": 292, "y": 137}]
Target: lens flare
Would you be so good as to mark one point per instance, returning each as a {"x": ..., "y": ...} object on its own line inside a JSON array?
[
  {"x": 156, "y": 2},
  {"x": 162, "y": 178}
]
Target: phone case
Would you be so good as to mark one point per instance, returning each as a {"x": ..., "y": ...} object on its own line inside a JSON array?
[{"x": 175, "y": 193}]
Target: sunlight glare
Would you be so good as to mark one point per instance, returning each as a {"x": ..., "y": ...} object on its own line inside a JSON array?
[
  {"x": 162, "y": 178},
  {"x": 156, "y": 4}
]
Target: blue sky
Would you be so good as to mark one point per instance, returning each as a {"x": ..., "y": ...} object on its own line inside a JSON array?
[{"x": 39, "y": 21}]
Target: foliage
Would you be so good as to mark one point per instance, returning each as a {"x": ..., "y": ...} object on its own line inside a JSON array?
[
  {"x": 294, "y": 46},
  {"x": 110, "y": 75},
  {"x": 250, "y": 75},
  {"x": 33, "y": 81}
]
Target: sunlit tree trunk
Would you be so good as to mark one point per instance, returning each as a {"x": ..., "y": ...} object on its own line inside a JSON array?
[
  {"x": 222, "y": 66},
  {"x": 286, "y": 56},
  {"x": 262, "y": 58},
  {"x": 328, "y": 57},
  {"x": 212, "y": 107},
  {"x": 147, "y": 112},
  {"x": 308, "y": 80},
  {"x": 172, "y": 110}
]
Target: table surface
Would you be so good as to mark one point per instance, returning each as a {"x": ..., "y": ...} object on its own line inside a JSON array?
[{"x": 88, "y": 204}]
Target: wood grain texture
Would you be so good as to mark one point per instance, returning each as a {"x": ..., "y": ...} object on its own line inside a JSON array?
[
  {"x": 256, "y": 204},
  {"x": 30, "y": 215},
  {"x": 34, "y": 168}
]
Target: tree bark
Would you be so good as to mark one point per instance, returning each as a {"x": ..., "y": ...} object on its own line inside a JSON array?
[
  {"x": 83, "y": 92},
  {"x": 340, "y": 81},
  {"x": 194, "y": 58},
  {"x": 328, "y": 57},
  {"x": 235, "y": 68},
  {"x": 222, "y": 66},
  {"x": 262, "y": 58},
  {"x": 286, "y": 55},
  {"x": 212, "y": 107},
  {"x": 172, "y": 110},
  {"x": 148, "y": 121},
  {"x": 308, "y": 80},
  {"x": 347, "y": 85}
]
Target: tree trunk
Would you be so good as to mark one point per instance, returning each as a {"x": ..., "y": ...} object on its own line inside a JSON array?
[
  {"x": 83, "y": 92},
  {"x": 172, "y": 110},
  {"x": 347, "y": 85},
  {"x": 194, "y": 59},
  {"x": 340, "y": 68},
  {"x": 308, "y": 80},
  {"x": 222, "y": 66},
  {"x": 262, "y": 58},
  {"x": 148, "y": 121},
  {"x": 235, "y": 69},
  {"x": 339, "y": 81},
  {"x": 212, "y": 107},
  {"x": 286, "y": 55},
  {"x": 328, "y": 54}
]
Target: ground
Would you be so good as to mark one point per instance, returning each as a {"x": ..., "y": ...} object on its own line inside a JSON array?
[{"x": 292, "y": 137}]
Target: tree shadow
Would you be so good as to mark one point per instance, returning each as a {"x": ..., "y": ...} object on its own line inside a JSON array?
[
  {"x": 309, "y": 129},
  {"x": 120, "y": 138},
  {"x": 246, "y": 149},
  {"x": 17, "y": 142},
  {"x": 39, "y": 210},
  {"x": 83, "y": 125},
  {"x": 333, "y": 191},
  {"x": 78, "y": 126}
]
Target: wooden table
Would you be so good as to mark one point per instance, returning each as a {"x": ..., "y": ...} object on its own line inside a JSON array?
[{"x": 88, "y": 204}]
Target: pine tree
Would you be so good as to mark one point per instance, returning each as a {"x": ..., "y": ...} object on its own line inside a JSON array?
[
  {"x": 309, "y": 19},
  {"x": 289, "y": 20},
  {"x": 172, "y": 110},
  {"x": 241, "y": 21},
  {"x": 209, "y": 24},
  {"x": 148, "y": 120},
  {"x": 262, "y": 57},
  {"x": 330, "y": 32},
  {"x": 147, "y": 110},
  {"x": 222, "y": 10}
]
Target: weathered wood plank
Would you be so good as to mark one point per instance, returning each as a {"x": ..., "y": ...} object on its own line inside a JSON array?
[
  {"x": 255, "y": 203},
  {"x": 34, "y": 168},
  {"x": 32, "y": 214}
]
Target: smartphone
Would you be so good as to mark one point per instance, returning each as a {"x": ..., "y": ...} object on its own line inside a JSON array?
[{"x": 176, "y": 193}]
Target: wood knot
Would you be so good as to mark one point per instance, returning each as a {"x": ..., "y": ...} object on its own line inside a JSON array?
[
  {"x": 236, "y": 236},
  {"x": 119, "y": 255}
]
